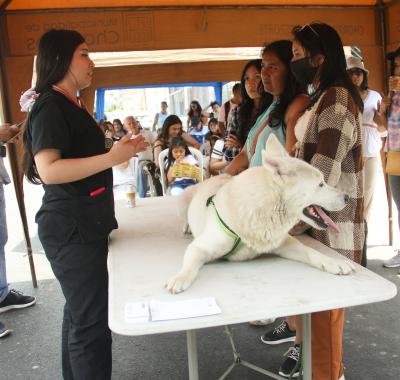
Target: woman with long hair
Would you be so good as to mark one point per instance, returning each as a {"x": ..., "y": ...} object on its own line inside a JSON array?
[
  {"x": 66, "y": 153},
  {"x": 194, "y": 114},
  {"x": 329, "y": 138},
  {"x": 288, "y": 103},
  {"x": 171, "y": 128},
  {"x": 254, "y": 102}
]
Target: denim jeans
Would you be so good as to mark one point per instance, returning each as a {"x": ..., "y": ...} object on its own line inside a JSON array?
[
  {"x": 141, "y": 179},
  {"x": 3, "y": 240}
]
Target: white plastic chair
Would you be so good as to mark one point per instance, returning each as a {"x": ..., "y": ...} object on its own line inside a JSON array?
[{"x": 163, "y": 177}]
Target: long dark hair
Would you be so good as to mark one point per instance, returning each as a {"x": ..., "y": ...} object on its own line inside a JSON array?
[
  {"x": 163, "y": 136},
  {"x": 320, "y": 38},
  {"x": 198, "y": 109},
  {"x": 176, "y": 142},
  {"x": 246, "y": 115},
  {"x": 292, "y": 88},
  {"x": 55, "y": 52}
]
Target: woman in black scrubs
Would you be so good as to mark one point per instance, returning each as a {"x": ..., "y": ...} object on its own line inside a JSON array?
[{"x": 66, "y": 152}]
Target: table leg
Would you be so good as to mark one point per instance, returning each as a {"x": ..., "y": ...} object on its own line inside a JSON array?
[
  {"x": 307, "y": 364},
  {"x": 192, "y": 355}
]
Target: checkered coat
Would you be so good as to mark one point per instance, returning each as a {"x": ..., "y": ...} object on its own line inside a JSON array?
[{"x": 332, "y": 143}]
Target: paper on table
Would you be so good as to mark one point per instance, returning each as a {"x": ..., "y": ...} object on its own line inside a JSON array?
[
  {"x": 136, "y": 312},
  {"x": 161, "y": 311}
]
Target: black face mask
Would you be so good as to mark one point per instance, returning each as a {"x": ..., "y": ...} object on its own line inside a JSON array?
[{"x": 303, "y": 71}]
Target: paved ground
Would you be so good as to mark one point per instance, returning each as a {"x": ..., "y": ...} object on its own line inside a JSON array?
[{"x": 371, "y": 344}]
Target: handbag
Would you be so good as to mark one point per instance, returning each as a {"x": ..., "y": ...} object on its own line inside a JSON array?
[
  {"x": 392, "y": 163},
  {"x": 392, "y": 166}
]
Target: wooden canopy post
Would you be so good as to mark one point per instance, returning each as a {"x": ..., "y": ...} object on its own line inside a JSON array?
[{"x": 15, "y": 154}]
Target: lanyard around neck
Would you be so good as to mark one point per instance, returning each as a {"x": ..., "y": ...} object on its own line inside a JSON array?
[{"x": 76, "y": 101}]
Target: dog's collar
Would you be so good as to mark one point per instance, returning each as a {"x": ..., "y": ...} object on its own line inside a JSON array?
[{"x": 238, "y": 242}]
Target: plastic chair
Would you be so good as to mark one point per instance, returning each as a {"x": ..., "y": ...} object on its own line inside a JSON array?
[{"x": 163, "y": 177}]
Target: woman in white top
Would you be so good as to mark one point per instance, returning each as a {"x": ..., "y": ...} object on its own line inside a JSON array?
[{"x": 373, "y": 124}]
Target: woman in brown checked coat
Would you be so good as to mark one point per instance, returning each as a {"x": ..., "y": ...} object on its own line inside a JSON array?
[{"x": 329, "y": 138}]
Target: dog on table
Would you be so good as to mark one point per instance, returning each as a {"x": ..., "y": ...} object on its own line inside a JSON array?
[{"x": 239, "y": 218}]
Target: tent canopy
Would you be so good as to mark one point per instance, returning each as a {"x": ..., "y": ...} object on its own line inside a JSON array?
[
  {"x": 63, "y": 4},
  {"x": 156, "y": 26}
]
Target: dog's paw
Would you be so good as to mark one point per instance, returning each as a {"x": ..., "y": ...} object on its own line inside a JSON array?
[
  {"x": 337, "y": 266},
  {"x": 178, "y": 283}
]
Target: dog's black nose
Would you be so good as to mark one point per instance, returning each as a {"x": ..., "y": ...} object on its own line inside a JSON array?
[{"x": 346, "y": 198}]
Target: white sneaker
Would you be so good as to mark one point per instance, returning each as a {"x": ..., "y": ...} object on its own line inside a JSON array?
[{"x": 393, "y": 262}]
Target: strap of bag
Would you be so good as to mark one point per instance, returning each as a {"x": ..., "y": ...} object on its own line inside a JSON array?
[{"x": 253, "y": 147}]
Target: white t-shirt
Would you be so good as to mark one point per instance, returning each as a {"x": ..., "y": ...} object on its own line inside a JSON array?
[
  {"x": 371, "y": 136},
  {"x": 148, "y": 153},
  {"x": 125, "y": 176},
  {"x": 218, "y": 150}
]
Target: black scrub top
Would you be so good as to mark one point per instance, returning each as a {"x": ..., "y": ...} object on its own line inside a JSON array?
[{"x": 56, "y": 122}]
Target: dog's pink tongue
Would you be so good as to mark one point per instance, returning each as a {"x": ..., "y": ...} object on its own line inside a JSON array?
[{"x": 326, "y": 218}]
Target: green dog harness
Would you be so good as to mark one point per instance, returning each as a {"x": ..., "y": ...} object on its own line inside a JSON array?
[{"x": 238, "y": 242}]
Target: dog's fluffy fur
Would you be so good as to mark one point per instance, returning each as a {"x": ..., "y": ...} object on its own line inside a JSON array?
[{"x": 261, "y": 205}]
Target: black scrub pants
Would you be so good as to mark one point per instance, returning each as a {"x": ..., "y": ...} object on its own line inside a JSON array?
[{"x": 81, "y": 269}]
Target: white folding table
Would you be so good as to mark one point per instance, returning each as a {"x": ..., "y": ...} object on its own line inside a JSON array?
[{"x": 148, "y": 248}]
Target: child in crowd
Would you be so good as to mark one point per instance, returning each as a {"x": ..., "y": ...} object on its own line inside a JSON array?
[
  {"x": 213, "y": 132},
  {"x": 181, "y": 167},
  {"x": 198, "y": 131}
]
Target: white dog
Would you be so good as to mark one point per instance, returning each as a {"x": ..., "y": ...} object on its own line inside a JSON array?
[{"x": 252, "y": 213}]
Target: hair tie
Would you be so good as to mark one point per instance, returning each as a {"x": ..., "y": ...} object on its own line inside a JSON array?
[{"x": 28, "y": 99}]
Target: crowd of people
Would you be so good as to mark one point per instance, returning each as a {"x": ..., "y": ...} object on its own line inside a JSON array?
[{"x": 304, "y": 91}]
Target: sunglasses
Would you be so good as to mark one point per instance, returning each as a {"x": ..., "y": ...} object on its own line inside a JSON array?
[{"x": 301, "y": 28}]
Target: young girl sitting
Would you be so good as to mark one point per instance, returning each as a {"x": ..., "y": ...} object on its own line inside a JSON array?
[{"x": 181, "y": 167}]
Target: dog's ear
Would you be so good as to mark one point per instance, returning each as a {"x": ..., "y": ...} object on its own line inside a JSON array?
[
  {"x": 274, "y": 149},
  {"x": 272, "y": 165},
  {"x": 277, "y": 165},
  {"x": 275, "y": 158}
]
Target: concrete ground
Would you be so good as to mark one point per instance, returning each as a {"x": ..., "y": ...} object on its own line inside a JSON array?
[{"x": 32, "y": 351}]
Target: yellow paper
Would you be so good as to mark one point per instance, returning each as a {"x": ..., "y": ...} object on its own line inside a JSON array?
[{"x": 184, "y": 169}]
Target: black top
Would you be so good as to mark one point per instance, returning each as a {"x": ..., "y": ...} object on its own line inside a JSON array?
[{"x": 55, "y": 122}]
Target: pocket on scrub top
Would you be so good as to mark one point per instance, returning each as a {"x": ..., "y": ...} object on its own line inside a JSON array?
[{"x": 95, "y": 215}]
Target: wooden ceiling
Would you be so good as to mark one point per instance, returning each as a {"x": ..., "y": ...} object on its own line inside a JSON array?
[{"x": 17, "y": 5}]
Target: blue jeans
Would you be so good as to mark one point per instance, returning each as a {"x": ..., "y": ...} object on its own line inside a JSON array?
[
  {"x": 141, "y": 180},
  {"x": 3, "y": 240}
]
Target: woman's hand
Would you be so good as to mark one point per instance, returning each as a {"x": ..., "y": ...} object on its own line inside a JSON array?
[
  {"x": 232, "y": 141},
  {"x": 7, "y": 131},
  {"x": 394, "y": 83},
  {"x": 127, "y": 148}
]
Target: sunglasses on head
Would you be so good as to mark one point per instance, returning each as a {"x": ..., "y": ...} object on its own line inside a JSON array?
[{"x": 299, "y": 29}]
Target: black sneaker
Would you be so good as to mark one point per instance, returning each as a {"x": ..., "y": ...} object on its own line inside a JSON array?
[
  {"x": 288, "y": 366},
  {"x": 16, "y": 300},
  {"x": 279, "y": 334},
  {"x": 4, "y": 331}
]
